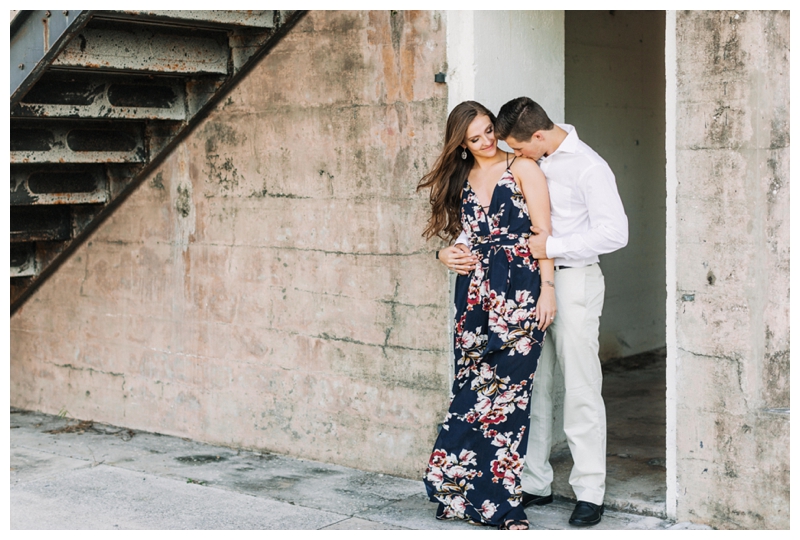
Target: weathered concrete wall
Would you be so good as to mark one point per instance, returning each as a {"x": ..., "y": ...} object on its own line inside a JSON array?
[
  {"x": 268, "y": 286},
  {"x": 732, "y": 268},
  {"x": 615, "y": 98}
]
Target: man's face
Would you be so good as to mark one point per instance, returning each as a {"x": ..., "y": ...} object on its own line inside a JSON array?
[{"x": 533, "y": 149}]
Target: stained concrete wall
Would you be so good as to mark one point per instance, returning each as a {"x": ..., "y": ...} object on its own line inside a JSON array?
[
  {"x": 615, "y": 99},
  {"x": 732, "y": 268},
  {"x": 268, "y": 286}
]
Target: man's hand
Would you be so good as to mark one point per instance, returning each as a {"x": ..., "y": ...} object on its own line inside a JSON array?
[
  {"x": 537, "y": 243},
  {"x": 458, "y": 258}
]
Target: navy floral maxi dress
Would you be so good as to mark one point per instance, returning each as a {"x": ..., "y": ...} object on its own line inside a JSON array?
[{"x": 475, "y": 470}]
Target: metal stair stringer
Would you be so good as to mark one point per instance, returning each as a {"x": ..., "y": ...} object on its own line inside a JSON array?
[{"x": 123, "y": 91}]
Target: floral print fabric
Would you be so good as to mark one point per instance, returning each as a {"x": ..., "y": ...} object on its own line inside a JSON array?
[{"x": 475, "y": 469}]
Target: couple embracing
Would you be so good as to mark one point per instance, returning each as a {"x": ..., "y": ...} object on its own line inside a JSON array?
[{"x": 528, "y": 229}]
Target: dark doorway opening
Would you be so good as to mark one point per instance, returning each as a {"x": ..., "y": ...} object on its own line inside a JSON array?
[{"x": 615, "y": 98}]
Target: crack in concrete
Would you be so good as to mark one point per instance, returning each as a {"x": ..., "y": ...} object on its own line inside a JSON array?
[
  {"x": 736, "y": 361},
  {"x": 327, "y": 336},
  {"x": 77, "y": 368},
  {"x": 392, "y": 315},
  {"x": 313, "y": 250},
  {"x": 390, "y": 302},
  {"x": 264, "y": 193}
]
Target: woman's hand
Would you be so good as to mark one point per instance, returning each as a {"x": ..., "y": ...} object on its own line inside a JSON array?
[
  {"x": 458, "y": 258},
  {"x": 546, "y": 307}
]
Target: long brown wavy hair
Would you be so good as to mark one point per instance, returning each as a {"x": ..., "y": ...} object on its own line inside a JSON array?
[{"x": 446, "y": 179}]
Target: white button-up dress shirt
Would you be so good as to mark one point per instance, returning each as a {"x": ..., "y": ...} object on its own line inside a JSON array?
[{"x": 586, "y": 212}]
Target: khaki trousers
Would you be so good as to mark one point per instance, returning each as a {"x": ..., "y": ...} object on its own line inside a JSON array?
[{"x": 573, "y": 341}]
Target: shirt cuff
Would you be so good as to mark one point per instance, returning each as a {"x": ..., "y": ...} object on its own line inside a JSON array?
[
  {"x": 553, "y": 247},
  {"x": 462, "y": 239}
]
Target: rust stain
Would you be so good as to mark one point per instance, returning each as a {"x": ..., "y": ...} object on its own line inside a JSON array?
[
  {"x": 391, "y": 75},
  {"x": 187, "y": 273},
  {"x": 414, "y": 42},
  {"x": 46, "y": 29}
]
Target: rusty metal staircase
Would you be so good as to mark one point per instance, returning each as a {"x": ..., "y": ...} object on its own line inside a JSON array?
[{"x": 98, "y": 99}]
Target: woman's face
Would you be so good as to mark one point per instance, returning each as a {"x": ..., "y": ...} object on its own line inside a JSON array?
[{"x": 480, "y": 139}]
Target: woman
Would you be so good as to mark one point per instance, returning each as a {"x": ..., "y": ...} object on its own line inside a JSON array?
[{"x": 502, "y": 307}]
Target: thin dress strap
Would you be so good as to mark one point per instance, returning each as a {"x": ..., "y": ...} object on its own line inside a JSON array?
[{"x": 508, "y": 165}]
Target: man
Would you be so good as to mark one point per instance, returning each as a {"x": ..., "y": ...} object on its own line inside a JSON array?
[{"x": 587, "y": 220}]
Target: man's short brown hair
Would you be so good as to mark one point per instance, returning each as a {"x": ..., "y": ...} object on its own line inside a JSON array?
[{"x": 521, "y": 118}]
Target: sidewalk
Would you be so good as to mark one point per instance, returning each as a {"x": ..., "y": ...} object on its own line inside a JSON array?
[{"x": 93, "y": 476}]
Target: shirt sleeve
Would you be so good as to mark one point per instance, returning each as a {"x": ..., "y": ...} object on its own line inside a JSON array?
[
  {"x": 462, "y": 239},
  {"x": 608, "y": 224}
]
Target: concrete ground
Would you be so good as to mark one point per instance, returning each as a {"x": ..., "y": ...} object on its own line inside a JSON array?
[{"x": 68, "y": 475}]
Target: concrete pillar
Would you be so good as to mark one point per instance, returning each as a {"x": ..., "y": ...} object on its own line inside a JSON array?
[{"x": 728, "y": 267}]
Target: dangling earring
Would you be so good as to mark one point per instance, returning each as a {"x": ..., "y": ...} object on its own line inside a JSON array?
[{"x": 464, "y": 154}]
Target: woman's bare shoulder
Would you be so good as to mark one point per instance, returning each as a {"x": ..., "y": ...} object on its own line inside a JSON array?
[{"x": 526, "y": 168}]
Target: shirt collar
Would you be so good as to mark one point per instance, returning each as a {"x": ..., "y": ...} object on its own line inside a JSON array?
[{"x": 570, "y": 142}]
